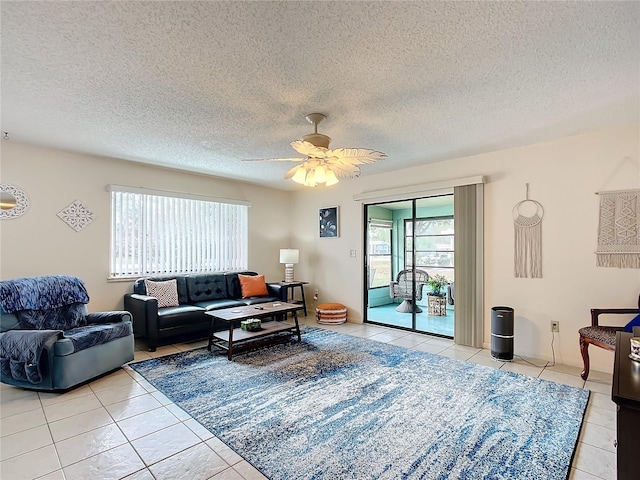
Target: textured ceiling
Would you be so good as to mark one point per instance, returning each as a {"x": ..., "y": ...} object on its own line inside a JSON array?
[{"x": 200, "y": 86}]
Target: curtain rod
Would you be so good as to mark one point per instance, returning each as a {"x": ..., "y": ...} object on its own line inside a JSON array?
[
  {"x": 166, "y": 193},
  {"x": 403, "y": 193},
  {"x": 627, "y": 190}
]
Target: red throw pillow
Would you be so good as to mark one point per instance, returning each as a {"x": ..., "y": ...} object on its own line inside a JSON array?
[{"x": 252, "y": 285}]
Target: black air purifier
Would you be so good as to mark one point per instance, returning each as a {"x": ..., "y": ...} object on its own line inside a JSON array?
[{"x": 502, "y": 333}]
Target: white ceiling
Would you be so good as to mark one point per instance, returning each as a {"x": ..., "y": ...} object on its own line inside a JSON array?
[{"x": 199, "y": 86}]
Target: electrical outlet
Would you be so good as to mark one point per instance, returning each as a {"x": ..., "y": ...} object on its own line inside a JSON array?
[
  {"x": 555, "y": 326},
  {"x": 315, "y": 292}
]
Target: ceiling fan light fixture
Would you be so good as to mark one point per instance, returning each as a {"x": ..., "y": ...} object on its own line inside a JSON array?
[
  {"x": 311, "y": 179},
  {"x": 313, "y": 173},
  {"x": 320, "y": 174},
  {"x": 321, "y": 166},
  {"x": 301, "y": 175},
  {"x": 331, "y": 178}
]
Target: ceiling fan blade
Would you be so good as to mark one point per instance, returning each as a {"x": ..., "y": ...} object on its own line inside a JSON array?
[
  {"x": 342, "y": 169},
  {"x": 356, "y": 156},
  {"x": 274, "y": 159},
  {"x": 308, "y": 149}
]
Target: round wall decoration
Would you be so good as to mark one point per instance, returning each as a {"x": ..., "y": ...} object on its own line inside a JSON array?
[{"x": 13, "y": 201}]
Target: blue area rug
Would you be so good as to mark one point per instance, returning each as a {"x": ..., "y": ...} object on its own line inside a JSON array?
[{"x": 341, "y": 407}]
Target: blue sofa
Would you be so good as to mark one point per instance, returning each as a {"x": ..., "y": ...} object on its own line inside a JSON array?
[
  {"x": 48, "y": 341},
  {"x": 197, "y": 294}
]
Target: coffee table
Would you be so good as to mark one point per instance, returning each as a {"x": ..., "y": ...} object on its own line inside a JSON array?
[{"x": 237, "y": 340}]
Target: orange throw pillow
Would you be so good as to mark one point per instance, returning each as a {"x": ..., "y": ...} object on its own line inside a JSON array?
[{"x": 252, "y": 285}]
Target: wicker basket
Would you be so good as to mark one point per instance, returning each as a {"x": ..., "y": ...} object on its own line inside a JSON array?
[{"x": 331, "y": 313}]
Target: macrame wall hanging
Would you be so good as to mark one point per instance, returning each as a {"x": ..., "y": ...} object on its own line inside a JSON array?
[
  {"x": 527, "y": 229},
  {"x": 619, "y": 229}
]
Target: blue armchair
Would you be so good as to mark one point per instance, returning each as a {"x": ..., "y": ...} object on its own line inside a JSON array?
[{"x": 48, "y": 341}]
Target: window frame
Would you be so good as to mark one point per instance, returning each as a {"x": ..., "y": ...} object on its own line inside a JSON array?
[
  {"x": 173, "y": 233},
  {"x": 413, "y": 252}
]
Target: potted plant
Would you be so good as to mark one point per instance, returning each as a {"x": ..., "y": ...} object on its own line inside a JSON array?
[{"x": 436, "y": 282}]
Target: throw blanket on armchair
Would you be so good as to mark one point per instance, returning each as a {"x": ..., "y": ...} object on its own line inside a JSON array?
[
  {"x": 20, "y": 352},
  {"x": 41, "y": 293}
]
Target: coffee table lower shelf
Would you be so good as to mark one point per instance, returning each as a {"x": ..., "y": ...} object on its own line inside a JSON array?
[{"x": 242, "y": 340}]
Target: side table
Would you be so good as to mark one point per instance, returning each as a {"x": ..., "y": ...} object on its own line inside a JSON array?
[
  {"x": 291, "y": 286},
  {"x": 436, "y": 305}
]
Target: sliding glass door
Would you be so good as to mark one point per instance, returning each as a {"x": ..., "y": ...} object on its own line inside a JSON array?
[{"x": 408, "y": 243}]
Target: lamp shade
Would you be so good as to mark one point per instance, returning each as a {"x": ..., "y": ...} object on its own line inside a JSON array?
[
  {"x": 289, "y": 255},
  {"x": 300, "y": 175},
  {"x": 331, "y": 178}
]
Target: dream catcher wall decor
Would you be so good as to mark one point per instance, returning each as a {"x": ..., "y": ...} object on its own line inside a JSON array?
[{"x": 527, "y": 227}]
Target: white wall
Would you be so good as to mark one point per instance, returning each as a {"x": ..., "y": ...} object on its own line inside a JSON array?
[
  {"x": 39, "y": 243},
  {"x": 563, "y": 176}
]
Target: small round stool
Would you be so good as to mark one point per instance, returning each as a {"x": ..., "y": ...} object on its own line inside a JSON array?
[{"x": 331, "y": 313}]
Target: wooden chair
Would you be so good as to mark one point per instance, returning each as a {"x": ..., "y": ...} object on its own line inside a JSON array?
[{"x": 600, "y": 335}]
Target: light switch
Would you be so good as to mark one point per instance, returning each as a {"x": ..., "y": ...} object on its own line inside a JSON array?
[{"x": 352, "y": 253}]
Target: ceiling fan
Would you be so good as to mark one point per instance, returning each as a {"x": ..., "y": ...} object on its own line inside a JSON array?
[{"x": 321, "y": 165}]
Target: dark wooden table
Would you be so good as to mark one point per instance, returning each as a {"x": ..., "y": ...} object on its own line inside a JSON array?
[
  {"x": 625, "y": 392},
  {"x": 237, "y": 340},
  {"x": 291, "y": 286}
]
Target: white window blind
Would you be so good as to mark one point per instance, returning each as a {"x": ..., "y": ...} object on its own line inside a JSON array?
[
  {"x": 375, "y": 222},
  {"x": 160, "y": 234}
]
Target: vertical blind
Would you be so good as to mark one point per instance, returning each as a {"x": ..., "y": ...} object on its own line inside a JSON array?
[
  {"x": 468, "y": 207},
  {"x": 160, "y": 234}
]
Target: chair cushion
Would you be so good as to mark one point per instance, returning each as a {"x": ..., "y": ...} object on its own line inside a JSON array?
[
  {"x": 163, "y": 312},
  {"x": 606, "y": 335},
  {"x": 179, "y": 316},
  {"x": 60, "y": 318},
  {"x": 90, "y": 335},
  {"x": 8, "y": 321},
  {"x": 206, "y": 287},
  {"x": 257, "y": 300},
  {"x": 219, "y": 304}
]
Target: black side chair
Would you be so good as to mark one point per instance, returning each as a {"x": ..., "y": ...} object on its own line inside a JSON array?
[{"x": 600, "y": 335}]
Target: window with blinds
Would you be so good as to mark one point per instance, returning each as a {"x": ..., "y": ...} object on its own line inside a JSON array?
[
  {"x": 434, "y": 238},
  {"x": 156, "y": 234},
  {"x": 379, "y": 252}
]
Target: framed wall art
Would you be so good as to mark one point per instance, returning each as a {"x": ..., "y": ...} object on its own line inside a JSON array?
[{"x": 329, "y": 222}]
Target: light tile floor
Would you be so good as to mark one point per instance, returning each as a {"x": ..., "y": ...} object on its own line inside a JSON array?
[{"x": 120, "y": 426}]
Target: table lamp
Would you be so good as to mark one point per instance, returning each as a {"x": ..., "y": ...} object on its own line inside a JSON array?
[{"x": 289, "y": 256}]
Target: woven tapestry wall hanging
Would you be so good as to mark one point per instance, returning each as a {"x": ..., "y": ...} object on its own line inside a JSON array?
[
  {"x": 527, "y": 229},
  {"x": 619, "y": 229}
]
